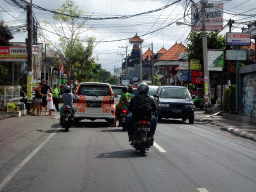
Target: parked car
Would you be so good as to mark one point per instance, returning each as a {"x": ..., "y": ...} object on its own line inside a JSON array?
[
  {"x": 174, "y": 102},
  {"x": 94, "y": 101},
  {"x": 117, "y": 90}
]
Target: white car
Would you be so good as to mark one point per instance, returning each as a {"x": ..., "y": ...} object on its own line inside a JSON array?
[{"x": 94, "y": 101}]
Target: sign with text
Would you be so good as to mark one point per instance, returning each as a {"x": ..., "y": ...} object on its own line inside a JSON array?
[
  {"x": 215, "y": 60},
  {"x": 241, "y": 39},
  {"x": 213, "y": 17},
  {"x": 236, "y": 55},
  {"x": 195, "y": 64}
]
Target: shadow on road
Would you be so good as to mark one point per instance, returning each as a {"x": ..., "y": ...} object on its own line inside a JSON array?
[
  {"x": 129, "y": 153},
  {"x": 91, "y": 124},
  {"x": 172, "y": 121},
  {"x": 112, "y": 130}
]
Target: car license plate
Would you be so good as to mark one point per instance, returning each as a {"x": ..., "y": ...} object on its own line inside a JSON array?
[{"x": 176, "y": 111}]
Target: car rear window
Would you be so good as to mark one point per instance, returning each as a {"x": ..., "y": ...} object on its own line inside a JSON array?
[
  {"x": 91, "y": 90},
  {"x": 175, "y": 93},
  {"x": 117, "y": 90},
  {"x": 152, "y": 91}
]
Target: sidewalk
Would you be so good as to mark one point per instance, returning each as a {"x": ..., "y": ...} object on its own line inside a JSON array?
[{"x": 240, "y": 127}]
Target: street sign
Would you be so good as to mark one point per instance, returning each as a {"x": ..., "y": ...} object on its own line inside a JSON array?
[
  {"x": 241, "y": 39},
  {"x": 236, "y": 55}
]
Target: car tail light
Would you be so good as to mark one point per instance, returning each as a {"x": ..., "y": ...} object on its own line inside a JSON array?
[{"x": 124, "y": 111}]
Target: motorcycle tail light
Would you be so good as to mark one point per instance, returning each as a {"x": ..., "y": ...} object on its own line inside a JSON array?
[
  {"x": 124, "y": 111},
  {"x": 144, "y": 122}
]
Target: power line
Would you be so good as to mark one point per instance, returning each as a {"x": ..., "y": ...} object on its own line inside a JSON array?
[{"x": 22, "y": 3}]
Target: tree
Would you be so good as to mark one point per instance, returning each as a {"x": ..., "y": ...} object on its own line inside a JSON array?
[
  {"x": 69, "y": 29},
  {"x": 105, "y": 77},
  {"x": 5, "y": 76}
]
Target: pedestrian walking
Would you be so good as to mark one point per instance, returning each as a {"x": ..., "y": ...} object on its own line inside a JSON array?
[
  {"x": 44, "y": 91},
  {"x": 50, "y": 103},
  {"x": 55, "y": 96},
  {"x": 38, "y": 100}
]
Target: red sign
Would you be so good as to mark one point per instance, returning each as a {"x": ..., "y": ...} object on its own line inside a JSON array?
[
  {"x": 4, "y": 50},
  {"x": 197, "y": 77}
]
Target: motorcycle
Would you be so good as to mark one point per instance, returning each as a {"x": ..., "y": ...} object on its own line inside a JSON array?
[
  {"x": 141, "y": 141},
  {"x": 66, "y": 119},
  {"x": 122, "y": 118}
]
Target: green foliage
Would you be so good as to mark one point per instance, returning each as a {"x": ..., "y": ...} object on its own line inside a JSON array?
[
  {"x": 232, "y": 99},
  {"x": 105, "y": 77},
  {"x": 225, "y": 103},
  {"x": 157, "y": 82},
  {"x": 84, "y": 65},
  {"x": 11, "y": 105},
  {"x": 191, "y": 86},
  {"x": 5, "y": 76}
]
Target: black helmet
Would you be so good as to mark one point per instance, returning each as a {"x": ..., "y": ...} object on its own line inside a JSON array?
[
  {"x": 67, "y": 89},
  {"x": 124, "y": 89},
  {"x": 130, "y": 90},
  {"x": 143, "y": 88}
]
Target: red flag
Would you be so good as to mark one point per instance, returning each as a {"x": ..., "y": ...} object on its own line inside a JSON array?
[{"x": 61, "y": 67}]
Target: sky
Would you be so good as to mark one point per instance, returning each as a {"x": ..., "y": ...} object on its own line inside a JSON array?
[{"x": 150, "y": 27}]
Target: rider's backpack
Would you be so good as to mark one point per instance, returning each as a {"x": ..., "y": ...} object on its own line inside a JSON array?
[{"x": 143, "y": 107}]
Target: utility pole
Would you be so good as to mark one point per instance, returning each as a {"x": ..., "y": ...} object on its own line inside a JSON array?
[
  {"x": 152, "y": 67},
  {"x": 29, "y": 55},
  {"x": 126, "y": 69},
  {"x": 140, "y": 62},
  {"x": 207, "y": 89},
  {"x": 122, "y": 58}
]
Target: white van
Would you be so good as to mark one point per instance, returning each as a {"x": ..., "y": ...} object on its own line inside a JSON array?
[{"x": 94, "y": 101}]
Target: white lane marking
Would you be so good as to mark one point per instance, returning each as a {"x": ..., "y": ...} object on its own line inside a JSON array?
[
  {"x": 24, "y": 162},
  {"x": 159, "y": 148},
  {"x": 202, "y": 190}
]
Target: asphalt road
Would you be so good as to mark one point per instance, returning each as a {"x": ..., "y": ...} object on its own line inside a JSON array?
[{"x": 95, "y": 157}]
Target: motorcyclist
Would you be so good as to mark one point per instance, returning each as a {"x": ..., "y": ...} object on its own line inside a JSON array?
[
  {"x": 67, "y": 98},
  {"x": 135, "y": 114},
  {"x": 123, "y": 103},
  {"x": 130, "y": 90}
]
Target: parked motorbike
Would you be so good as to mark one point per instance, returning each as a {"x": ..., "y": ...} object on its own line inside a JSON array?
[
  {"x": 141, "y": 141},
  {"x": 122, "y": 118},
  {"x": 66, "y": 119}
]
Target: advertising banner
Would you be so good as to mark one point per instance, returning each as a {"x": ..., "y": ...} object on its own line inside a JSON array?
[
  {"x": 195, "y": 64},
  {"x": 213, "y": 17},
  {"x": 197, "y": 77},
  {"x": 215, "y": 60}
]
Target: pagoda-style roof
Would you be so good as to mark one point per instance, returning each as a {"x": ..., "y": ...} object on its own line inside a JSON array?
[
  {"x": 136, "y": 39},
  {"x": 162, "y": 51},
  {"x": 147, "y": 54},
  {"x": 173, "y": 53}
]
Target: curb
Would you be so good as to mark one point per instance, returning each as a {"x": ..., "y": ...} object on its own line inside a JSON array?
[{"x": 239, "y": 133}]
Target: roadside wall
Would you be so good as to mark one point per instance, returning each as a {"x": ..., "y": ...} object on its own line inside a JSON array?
[{"x": 248, "y": 90}]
